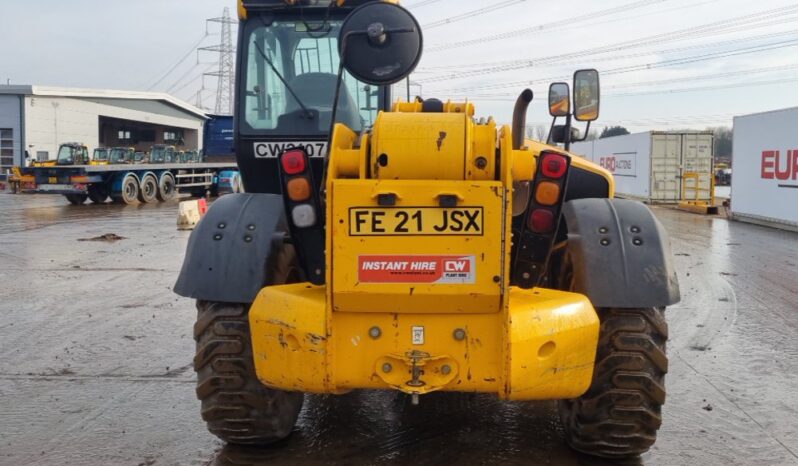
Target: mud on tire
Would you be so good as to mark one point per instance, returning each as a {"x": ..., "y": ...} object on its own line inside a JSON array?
[
  {"x": 236, "y": 406},
  {"x": 621, "y": 412}
]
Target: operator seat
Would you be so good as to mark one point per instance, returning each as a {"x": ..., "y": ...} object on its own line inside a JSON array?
[{"x": 317, "y": 91}]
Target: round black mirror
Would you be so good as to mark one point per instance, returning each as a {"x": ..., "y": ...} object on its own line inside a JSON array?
[{"x": 380, "y": 43}]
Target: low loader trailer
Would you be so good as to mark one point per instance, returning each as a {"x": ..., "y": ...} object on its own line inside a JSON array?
[{"x": 133, "y": 183}]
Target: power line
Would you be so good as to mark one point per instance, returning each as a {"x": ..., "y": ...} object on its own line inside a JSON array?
[
  {"x": 421, "y": 4},
  {"x": 770, "y": 82},
  {"x": 640, "y": 54},
  {"x": 746, "y": 22},
  {"x": 179, "y": 62},
  {"x": 192, "y": 81},
  {"x": 179, "y": 80},
  {"x": 645, "y": 66},
  {"x": 471, "y": 14},
  {"x": 545, "y": 26}
]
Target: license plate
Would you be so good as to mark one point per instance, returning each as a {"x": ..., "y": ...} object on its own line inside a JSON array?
[
  {"x": 416, "y": 221},
  {"x": 270, "y": 150},
  {"x": 52, "y": 180}
]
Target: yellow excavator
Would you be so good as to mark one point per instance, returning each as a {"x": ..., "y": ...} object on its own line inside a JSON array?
[{"x": 414, "y": 247}]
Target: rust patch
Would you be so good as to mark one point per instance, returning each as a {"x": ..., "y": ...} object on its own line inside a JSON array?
[
  {"x": 280, "y": 323},
  {"x": 314, "y": 339},
  {"x": 441, "y": 137}
]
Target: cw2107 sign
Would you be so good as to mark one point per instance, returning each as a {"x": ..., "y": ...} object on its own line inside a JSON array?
[
  {"x": 619, "y": 164},
  {"x": 270, "y": 150}
]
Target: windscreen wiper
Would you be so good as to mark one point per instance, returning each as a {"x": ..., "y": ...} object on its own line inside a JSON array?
[{"x": 308, "y": 113}]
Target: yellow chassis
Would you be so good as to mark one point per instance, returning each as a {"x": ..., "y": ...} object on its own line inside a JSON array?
[{"x": 542, "y": 347}]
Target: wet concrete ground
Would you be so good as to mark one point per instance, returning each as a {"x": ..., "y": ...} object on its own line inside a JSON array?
[{"x": 95, "y": 359}]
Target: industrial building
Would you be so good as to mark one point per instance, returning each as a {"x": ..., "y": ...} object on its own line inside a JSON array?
[{"x": 35, "y": 120}]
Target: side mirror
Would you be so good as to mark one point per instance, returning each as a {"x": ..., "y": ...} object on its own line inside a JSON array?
[
  {"x": 380, "y": 43},
  {"x": 586, "y": 95},
  {"x": 559, "y": 99}
]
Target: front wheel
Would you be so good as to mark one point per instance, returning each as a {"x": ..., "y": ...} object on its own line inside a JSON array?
[
  {"x": 130, "y": 191},
  {"x": 621, "y": 412}
]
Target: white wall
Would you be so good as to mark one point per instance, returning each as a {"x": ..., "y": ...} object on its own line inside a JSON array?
[
  {"x": 626, "y": 157},
  {"x": 51, "y": 121},
  {"x": 765, "y": 171}
]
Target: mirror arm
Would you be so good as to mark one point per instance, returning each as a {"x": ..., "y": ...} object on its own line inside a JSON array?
[
  {"x": 587, "y": 131},
  {"x": 551, "y": 130},
  {"x": 567, "y": 143}
]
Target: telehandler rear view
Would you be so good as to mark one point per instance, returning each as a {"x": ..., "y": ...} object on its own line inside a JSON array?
[{"x": 424, "y": 250}]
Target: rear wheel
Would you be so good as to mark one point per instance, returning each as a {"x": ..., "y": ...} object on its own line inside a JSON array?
[
  {"x": 98, "y": 194},
  {"x": 148, "y": 190},
  {"x": 621, "y": 412},
  {"x": 166, "y": 188},
  {"x": 235, "y": 405},
  {"x": 76, "y": 199}
]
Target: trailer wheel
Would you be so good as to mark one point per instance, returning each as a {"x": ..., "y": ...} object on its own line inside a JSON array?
[
  {"x": 621, "y": 412},
  {"x": 235, "y": 405},
  {"x": 148, "y": 189},
  {"x": 98, "y": 194},
  {"x": 76, "y": 199},
  {"x": 166, "y": 188},
  {"x": 130, "y": 191}
]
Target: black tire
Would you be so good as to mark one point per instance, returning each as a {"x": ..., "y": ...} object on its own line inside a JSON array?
[
  {"x": 130, "y": 191},
  {"x": 148, "y": 189},
  {"x": 235, "y": 405},
  {"x": 621, "y": 412},
  {"x": 76, "y": 199},
  {"x": 98, "y": 194},
  {"x": 166, "y": 188}
]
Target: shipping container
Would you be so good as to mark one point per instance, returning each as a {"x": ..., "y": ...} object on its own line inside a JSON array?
[
  {"x": 764, "y": 187},
  {"x": 652, "y": 166},
  {"x": 219, "y": 141}
]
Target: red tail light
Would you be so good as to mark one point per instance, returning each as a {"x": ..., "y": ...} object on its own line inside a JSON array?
[
  {"x": 293, "y": 162},
  {"x": 541, "y": 221},
  {"x": 554, "y": 165}
]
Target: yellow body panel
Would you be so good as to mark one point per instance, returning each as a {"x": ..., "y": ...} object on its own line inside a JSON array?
[
  {"x": 541, "y": 347},
  {"x": 389, "y": 271},
  {"x": 415, "y": 300},
  {"x": 399, "y": 139}
]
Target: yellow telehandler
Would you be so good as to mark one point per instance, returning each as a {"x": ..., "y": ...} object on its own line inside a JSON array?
[{"x": 415, "y": 247}]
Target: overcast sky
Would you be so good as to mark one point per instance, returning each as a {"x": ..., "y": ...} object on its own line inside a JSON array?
[{"x": 665, "y": 63}]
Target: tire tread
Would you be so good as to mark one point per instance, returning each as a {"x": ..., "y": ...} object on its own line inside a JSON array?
[{"x": 620, "y": 413}]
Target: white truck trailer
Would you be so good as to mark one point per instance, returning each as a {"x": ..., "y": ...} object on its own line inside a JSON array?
[
  {"x": 653, "y": 166},
  {"x": 764, "y": 186}
]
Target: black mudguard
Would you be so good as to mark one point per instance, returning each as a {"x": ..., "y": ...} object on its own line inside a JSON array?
[
  {"x": 229, "y": 248},
  {"x": 620, "y": 254}
]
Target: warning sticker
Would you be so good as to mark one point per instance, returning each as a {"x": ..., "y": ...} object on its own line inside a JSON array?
[{"x": 417, "y": 269}]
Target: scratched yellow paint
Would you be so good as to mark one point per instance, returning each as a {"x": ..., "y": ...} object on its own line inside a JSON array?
[{"x": 419, "y": 307}]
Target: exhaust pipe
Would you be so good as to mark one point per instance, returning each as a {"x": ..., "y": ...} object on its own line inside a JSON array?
[{"x": 519, "y": 118}]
